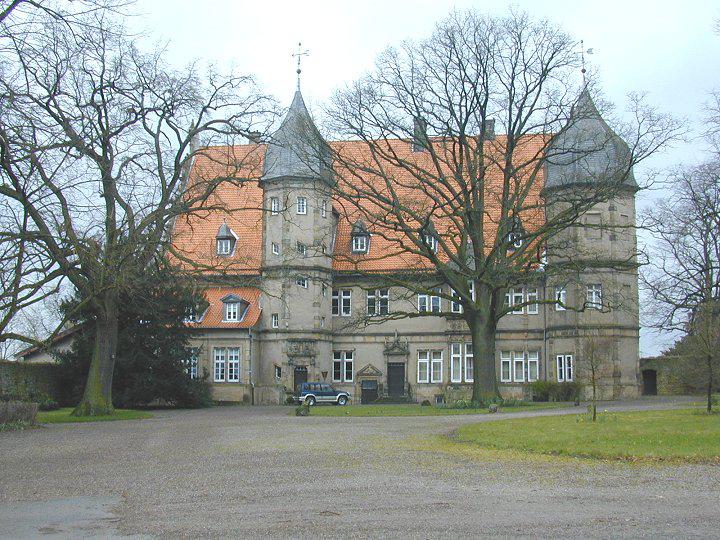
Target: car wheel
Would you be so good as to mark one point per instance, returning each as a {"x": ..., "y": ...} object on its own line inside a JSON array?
[
  {"x": 342, "y": 400},
  {"x": 310, "y": 400}
]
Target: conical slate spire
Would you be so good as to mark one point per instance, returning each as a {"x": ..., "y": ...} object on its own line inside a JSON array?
[
  {"x": 297, "y": 149},
  {"x": 588, "y": 151}
]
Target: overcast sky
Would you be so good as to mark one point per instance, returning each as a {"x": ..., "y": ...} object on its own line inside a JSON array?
[{"x": 666, "y": 49}]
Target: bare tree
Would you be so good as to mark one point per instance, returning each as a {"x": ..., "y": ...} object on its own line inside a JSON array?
[
  {"x": 461, "y": 205},
  {"x": 95, "y": 138},
  {"x": 683, "y": 271},
  {"x": 596, "y": 360}
]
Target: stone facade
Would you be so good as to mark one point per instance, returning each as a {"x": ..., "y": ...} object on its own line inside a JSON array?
[{"x": 297, "y": 337}]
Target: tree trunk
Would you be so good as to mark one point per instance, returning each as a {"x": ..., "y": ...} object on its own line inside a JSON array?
[
  {"x": 709, "y": 385},
  {"x": 594, "y": 398},
  {"x": 482, "y": 331},
  {"x": 97, "y": 398}
]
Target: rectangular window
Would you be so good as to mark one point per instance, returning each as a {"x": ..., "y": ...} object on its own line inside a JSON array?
[
  {"x": 423, "y": 370},
  {"x": 569, "y": 368},
  {"x": 335, "y": 303},
  {"x": 231, "y": 311},
  {"x": 455, "y": 306},
  {"x": 435, "y": 302},
  {"x": 560, "y": 298},
  {"x": 378, "y": 302},
  {"x": 323, "y": 209},
  {"x": 469, "y": 366},
  {"x": 346, "y": 303},
  {"x": 302, "y": 249},
  {"x": 343, "y": 366},
  {"x": 517, "y": 300},
  {"x": 436, "y": 373},
  {"x": 224, "y": 246},
  {"x": 360, "y": 243},
  {"x": 533, "y": 366},
  {"x": 518, "y": 367},
  {"x": 302, "y": 282},
  {"x": 505, "y": 366},
  {"x": 219, "y": 361},
  {"x": 431, "y": 242},
  {"x": 275, "y": 320},
  {"x": 594, "y": 296},
  {"x": 423, "y": 303},
  {"x": 278, "y": 373},
  {"x": 275, "y": 249},
  {"x": 302, "y": 205},
  {"x": 233, "y": 364},
  {"x": 274, "y": 206},
  {"x": 192, "y": 365},
  {"x": 560, "y": 367},
  {"x": 532, "y": 296},
  {"x": 456, "y": 362}
]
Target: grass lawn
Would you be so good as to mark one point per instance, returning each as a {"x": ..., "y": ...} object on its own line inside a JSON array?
[
  {"x": 413, "y": 409},
  {"x": 676, "y": 435},
  {"x": 63, "y": 415}
]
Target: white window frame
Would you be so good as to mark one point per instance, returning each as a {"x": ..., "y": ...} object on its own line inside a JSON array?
[
  {"x": 594, "y": 295},
  {"x": 192, "y": 364},
  {"x": 302, "y": 281},
  {"x": 506, "y": 360},
  {"x": 337, "y": 366},
  {"x": 533, "y": 358},
  {"x": 518, "y": 297},
  {"x": 423, "y": 360},
  {"x": 232, "y": 312},
  {"x": 455, "y": 307},
  {"x": 564, "y": 364},
  {"x": 219, "y": 368},
  {"x": 274, "y": 206},
  {"x": 431, "y": 242},
  {"x": 278, "y": 372},
  {"x": 345, "y": 302},
  {"x": 376, "y": 298},
  {"x": 335, "y": 303},
  {"x": 224, "y": 246},
  {"x": 436, "y": 358},
  {"x": 323, "y": 208},
  {"x": 275, "y": 248},
  {"x": 233, "y": 364},
  {"x": 515, "y": 239},
  {"x": 275, "y": 320},
  {"x": 532, "y": 295},
  {"x": 469, "y": 366},
  {"x": 344, "y": 364},
  {"x": 301, "y": 206},
  {"x": 456, "y": 362},
  {"x": 423, "y": 303},
  {"x": 569, "y": 368},
  {"x": 518, "y": 358},
  {"x": 560, "y": 298},
  {"x": 302, "y": 249},
  {"x": 360, "y": 243}
]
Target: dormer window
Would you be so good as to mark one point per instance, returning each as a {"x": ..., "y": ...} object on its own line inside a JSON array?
[
  {"x": 360, "y": 238},
  {"x": 234, "y": 308},
  {"x": 225, "y": 241},
  {"x": 515, "y": 238}
]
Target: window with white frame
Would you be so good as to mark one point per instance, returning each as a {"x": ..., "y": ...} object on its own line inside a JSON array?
[
  {"x": 275, "y": 249},
  {"x": 232, "y": 311},
  {"x": 302, "y": 205},
  {"x": 219, "y": 363},
  {"x": 560, "y": 298},
  {"x": 429, "y": 303},
  {"x": 423, "y": 369},
  {"x": 224, "y": 246},
  {"x": 436, "y": 366},
  {"x": 456, "y": 361},
  {"x": 518, "y": 366},
  {"x": 302, "y": 281},
  {"x": 531, "y": 295},
  {"x": 360, "y": 243},
  {"x": 342, "y": 302},
  {"x": 455, "y": 305},
  {"x": 564, "y": 367},
  {"x": 192, "y": 364},
  {"x": 233, "y": 369},
  {"x": 505, "y": 366},
  {"x": 469, "y": 365},
  {"x": 594, "y": 296},
  {"x": 323, "y": 209},
  {"x": 275, "y": 320},
  {"x": 515, "y": 239},
  {"x": 274, "y": 206},
  {"x": 302, "y": 249},
  {"x": 378, "y": 302},
  {"x": 343, "y": 366},
  {"x": 431, "y": 242},
  {"x": 278, "y": 372},
  {"x": 533, "y": 365}
]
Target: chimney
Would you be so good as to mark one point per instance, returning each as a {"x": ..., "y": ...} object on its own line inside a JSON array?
[
  {"x": 489, "y": 129},
  {"x": 254, "y": 137},
  {"x": 419, "y": 134}
]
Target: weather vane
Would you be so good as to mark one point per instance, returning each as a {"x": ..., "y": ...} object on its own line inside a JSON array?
[
  {"x": 583, "y": 52},
  {"x": 299, "y": 54}
]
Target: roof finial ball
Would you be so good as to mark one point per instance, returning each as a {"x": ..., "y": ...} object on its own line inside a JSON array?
[
  {"x": 299, "y": 54},
  {"x": 583, "y": 52}
]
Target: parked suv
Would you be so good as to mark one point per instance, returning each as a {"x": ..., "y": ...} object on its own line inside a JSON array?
[{"x": 314, "y": 392}]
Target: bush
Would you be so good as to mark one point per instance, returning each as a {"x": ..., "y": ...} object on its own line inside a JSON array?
[
  {"x": 194, "y": 395},
  {"x": 44, "y": 401},
  {"x": 555, "y": 391},
  {"x": 426, "y": 403},
  {"x": 18, "y": 411}
]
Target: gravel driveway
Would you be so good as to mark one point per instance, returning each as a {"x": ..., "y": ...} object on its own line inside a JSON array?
[{"x": 241, "y": 472}]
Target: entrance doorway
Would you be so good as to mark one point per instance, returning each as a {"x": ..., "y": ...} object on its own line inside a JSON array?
[
  {"x": 649, "y": 377},
  {"x": 368, "y": 391},
  {"x": 299, "y": 377},
  {"x": 396, "y": 379}
]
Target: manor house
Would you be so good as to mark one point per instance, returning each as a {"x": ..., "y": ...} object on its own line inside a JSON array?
[{"x": 293, "y": 282}]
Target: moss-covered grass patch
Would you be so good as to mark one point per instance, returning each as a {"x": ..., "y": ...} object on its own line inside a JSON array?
[
  {"x": 413, "y": 409},
  {"x": 686, "y": 435},
  {"x": 65, "y": 415}
]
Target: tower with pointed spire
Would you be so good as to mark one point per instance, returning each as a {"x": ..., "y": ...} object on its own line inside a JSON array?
[
  {"x": 589, "y": 160},
  {"x": 297, "y": 267}
]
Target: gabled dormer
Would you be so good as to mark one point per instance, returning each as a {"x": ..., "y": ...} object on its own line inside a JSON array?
[
  {"x": 359, "y": 238},
  {"x": 225, "y": 241},
  {"x": 234, "y": 308}
]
